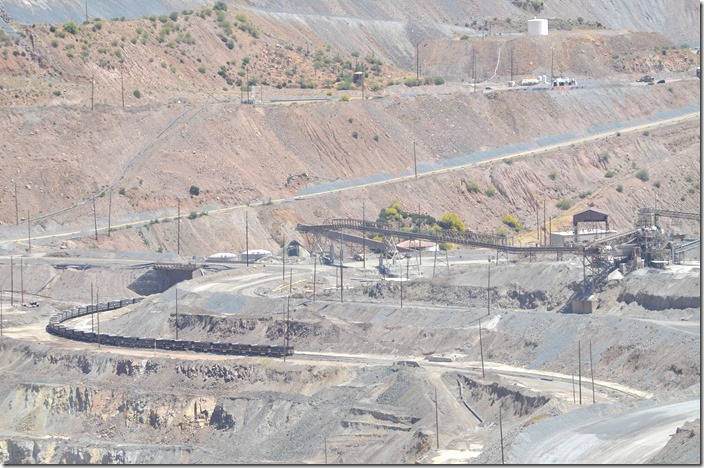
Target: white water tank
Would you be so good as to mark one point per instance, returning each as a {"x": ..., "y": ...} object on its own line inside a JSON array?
[{"x": 537, "y": 27}]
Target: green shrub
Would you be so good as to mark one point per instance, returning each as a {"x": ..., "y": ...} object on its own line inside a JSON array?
[
  {"x": 57, "y": 93},
  {"x": 552, "y": 174},
  {"x": 121, "y": 191},
  {"x": 511, "y": 222},
  {"x": 410, "y": 82},
  {"x": 490, "y": 191},
  {"x": 585, "y": 194},
  {"x": 646, "y": 132},
  {"x": 54, "y": 43},
  {"x": 174, "y": 16},
  {"x": 439, "y": 80},
  {"x": 355, "y": 135},
  {"x": 70, "y": 27},
  {"x": 445, "y": 245},
  {"x": 619, "y": 188},
  {"x": 201, "y": 69},
  {"x": 452, "y": 222},
  {"x": 656, "y": 184},
  {"x": 610, "y": 173},
  {"x": 193, "y": 215},
  {"x": 194, "y": 190},
  {"x": 344, "y": 98},
  {"x": 375, "y": 138},
  {"x": 472, "y": 187},
  {"x": 137, "y": 93},
  {"x": 643, "y": 175},
  {"x": 564, "y": 204},
  {"x": 502, "y": 232}
]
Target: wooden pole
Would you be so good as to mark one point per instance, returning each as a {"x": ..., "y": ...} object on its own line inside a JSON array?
[
  {"x": 17, "y": 210},
  {"x": 29, "y": 232},
  {"x": 315, "y": 273},
  {"x": 488, "y": 292},
  {"x": 501, "y": 433},
  {"x": 283, "y": 257},
  {"x": 364, "y": 239},
  {"x": 95, "y": 220},
  {"x": 415, "y": 161},
  {"x": 109, "y": 211},
  {"x": 437, "y": 420},
  {"x": 178, "y": 228},
  {"x": 435, "y": 258},
  {"x": 574, "y": 395},
  {"x": 579, "y": 353},
  {"x": 591, "y": 365},
  {"x": 481, "y": 349},
  {"x": 12, "y": 281},
  {"x": 97, "y": 306},
  {"x": 21, "y": 281}
]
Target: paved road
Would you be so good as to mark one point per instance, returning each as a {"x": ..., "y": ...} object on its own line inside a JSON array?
[{"x": 633, "y": 437}]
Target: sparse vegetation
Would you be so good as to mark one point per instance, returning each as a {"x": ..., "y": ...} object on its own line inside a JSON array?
[
  {"x": 137, "y": 93},
  {"x": 564, "y": 204},
  {"x": 490, "y": 191},
  {"x": 643, "y": 175},
  {"x": 552, "y": 174},
  {"x": 610, "y": 173},
  {"x": 452, "y": 222},
  {"x": 472, "y": 187},
  {"x": 619, "y": 188},
  {"x": 194, "y": 190}
]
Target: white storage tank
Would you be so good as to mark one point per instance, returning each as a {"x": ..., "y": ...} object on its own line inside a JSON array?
[{"x": 537, "y": 27}]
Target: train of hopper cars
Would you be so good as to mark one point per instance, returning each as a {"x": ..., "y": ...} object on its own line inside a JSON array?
[{"x": 56, "y": 328}]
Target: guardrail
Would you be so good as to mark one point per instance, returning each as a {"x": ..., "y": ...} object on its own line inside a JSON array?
[{"x": 56, "y": 328}]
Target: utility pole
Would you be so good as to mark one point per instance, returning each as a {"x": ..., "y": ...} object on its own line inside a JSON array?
[
  {"x": 95, "y": 220},
  {"x": 283, "y": 258},
  {"x": 86, "y": 10},
  {"x": 29, "y": 232},
  {"x": 415, "y": 161},
  {"x": 1, "y": 294},
  {"x": 488, "y": 291},
  {"x": 342, "y": 273},
  {"x": 574, "y": 395},
  {"x": 92, "y": 310},
  {"x": 122, "y": 84},
  {"x": 545, "y": 225},
  {"x": 178, "y": 228},
  {"x": 97, "y": 306},
  {"x": 246, "y": 235},
  {"x": 109, "y": 211},
  {"x": 12, "y": 282},
  {"x": 364, "y": 239},
  {"x": 17, "y": 210},
  {"x": 315, "y": 273},
  {"x": 481, "y": 350},
  {"x": 435, "y": 259},
  {"x": 591, "y": 365},
  {"x": 474, "y": 68},
  {"x": 402, "y": 291},
  {"x": 537, "y": 222},
  {"x": 176, "y": 313},
  {"x": 437, "y": 421},
  {"x": 579, "y": 353},
  {"x": 21, "y": 281},
  {"x": 290, "y": 280},
  {"x": 511, "y": 63},
  {"x": 501, "y": 433}
]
